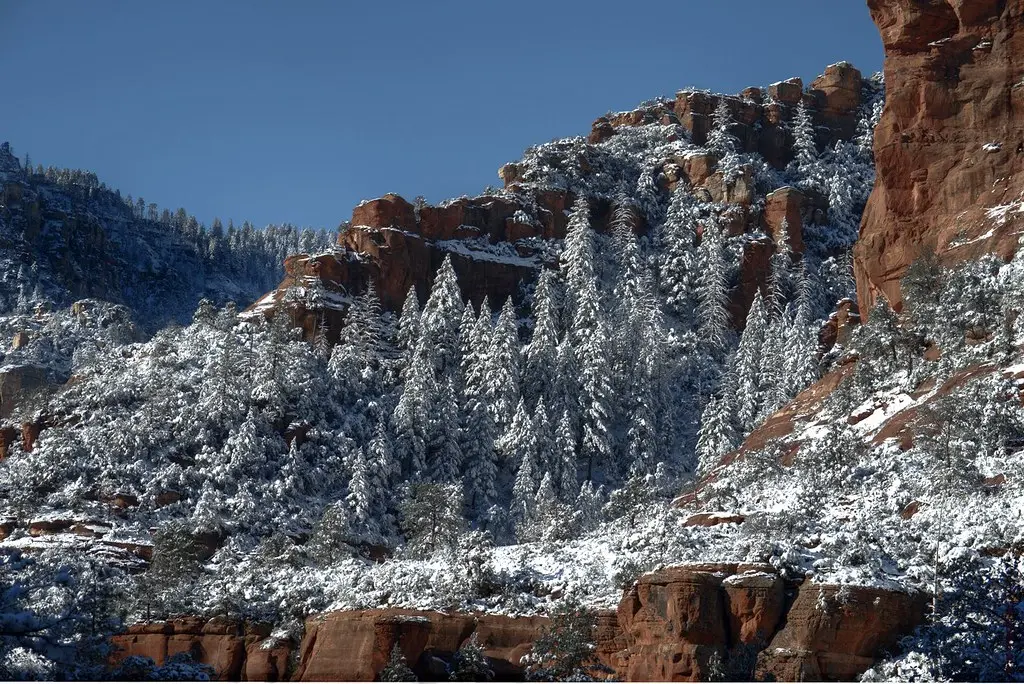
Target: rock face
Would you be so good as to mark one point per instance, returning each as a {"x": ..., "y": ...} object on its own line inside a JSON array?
[
  {"x": 949, "y": 149},
  {"x": 236, "y": 651},
  {"x": 668, "y": 627},
  {"x": 496, "y": 245},
  {"x": 761, "y": 117},
  {"x": 676, "y": 620}
]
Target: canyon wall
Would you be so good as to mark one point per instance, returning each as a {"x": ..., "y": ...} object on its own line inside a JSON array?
[
  {"x": 679, "y": 624},
  {"x": 949, "y": 149}
]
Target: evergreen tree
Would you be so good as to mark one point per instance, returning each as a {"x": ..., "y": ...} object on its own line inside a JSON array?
[
  {"x": 803, "y": 138},
  {"x": 432, "y": 517},
  {"x": 596, "y": 444},
  {"x": 503, "y": 366},
  {"x": 360, "y": 492},
  {"x": 445, "y": 452},
  {"x": 548, "y": 460},
  {"x": 565, "y": 651},
  {"x": 747, "y": 365},
  {"x": 713, "y": 290},
  {"x": 412, "y": 415},
  {"x": 720, "y": 138},
  {"x": 565, "y": 444},
  {"x": 540, "y": 355},
  {"x": 469, "y": 664},
  {"x": 716, "y": 437},
  {"x": 679, "y": 256},
  {"x": 409, "y": 325},
  {"x": 582, "y": 303},
  {"x": 439, "y": 322},
  {"x": 396, "y": 669}
]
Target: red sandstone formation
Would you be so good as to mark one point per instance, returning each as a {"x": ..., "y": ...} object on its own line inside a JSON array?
[
  {"x": 949, "y": 149},
  {"x": 667, "y": 628},
  {"x": 760, "y": 117}
]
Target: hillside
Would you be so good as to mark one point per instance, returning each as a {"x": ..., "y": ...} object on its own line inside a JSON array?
[{"x": 627, "y": 397}]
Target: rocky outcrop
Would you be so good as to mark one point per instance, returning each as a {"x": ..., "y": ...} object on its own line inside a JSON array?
[
  {"x": 676, "y": 624},
  {"x": 236, "y": 651},
  {"x": 835, "y": 633},
  {"x": 495, "y": 244},
  {"x": 949, "y": 149},
  {"x": 681, "y": 624},
  {"x": 761, "y": 116}
]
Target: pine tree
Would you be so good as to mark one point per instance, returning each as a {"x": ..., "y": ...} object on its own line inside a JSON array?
[
  {"x": 803, "y": 138},
  {"x": 444, "y": 449},
  {"x": 565, "y": 443},
  {"x": 713, "y": 290},
  {"x": 596, "y": 444},
  {"x": 432, "y": 517},
  {"x": 720, "y": 139},
  {"x": 503, "y": 366},
  {"x": 747, "y": 365},
  {"x": 716, "y": 437},
  {"x": 541, "y": 354},
  {"x": 582, "y": 303},
  {"x": 478, "y": 450},
  {"x": 396, "y": 669},
  {"x": 413, "y": 413},
  {"x": 547, "y": 453},
  {"x": 439, "y": 322},
  {"x": 469, "y": 664},
  {"x": 679, "y": 256},
  {"x": 566, "y": 649},
  {"x": 360, "y": 493},
  {"x": 409, "y": 325},
  {"x": 769, "y": 376}
]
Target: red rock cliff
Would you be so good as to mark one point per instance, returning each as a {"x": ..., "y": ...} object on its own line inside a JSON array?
[
  {"x": 668, "y": 627},
  {"x": 949, "y": 149}
]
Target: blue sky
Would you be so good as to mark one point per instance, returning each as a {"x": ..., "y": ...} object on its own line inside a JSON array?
[{"x": 295, "y": 111}]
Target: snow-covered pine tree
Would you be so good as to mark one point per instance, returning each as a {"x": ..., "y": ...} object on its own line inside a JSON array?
[
  {"x": 770, "y": 380},
  {"x": 747, "y": 365},
  {"x": 548, "y": 460},
  {"x": 503, "y": 362},
  {"x": 566, "y": 399},
  {"x": 596, "y": 443},
  {"x": 540, "y": 356},
  {"x": 716, "y": 437},
  {"x": 720, "y": 137},
  {"x": 480, "y": 457},
  {"x": 565, "y": 443},
  {"x": 803, "y": 138},
  {"x": 360, "y": 490},
  {"x": 679, "y": 256},
  {"x": 396, "y": 669},
  {"x": 411, "y": 418},
  {"x": 440, "y": 319},
  {"x": 713, "y": 290},
  {"x": 582, "y": 303},
  {"x": 444, "y": 451},
  {"x": 469, "y": 664},
  {"x": 409, "y": 326}
]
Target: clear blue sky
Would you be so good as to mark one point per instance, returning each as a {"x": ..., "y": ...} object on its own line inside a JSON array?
[{"x": 295, "y": 111}]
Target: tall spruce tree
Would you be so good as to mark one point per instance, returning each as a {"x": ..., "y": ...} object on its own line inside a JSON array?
[{"x": 713, "y": 290}]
